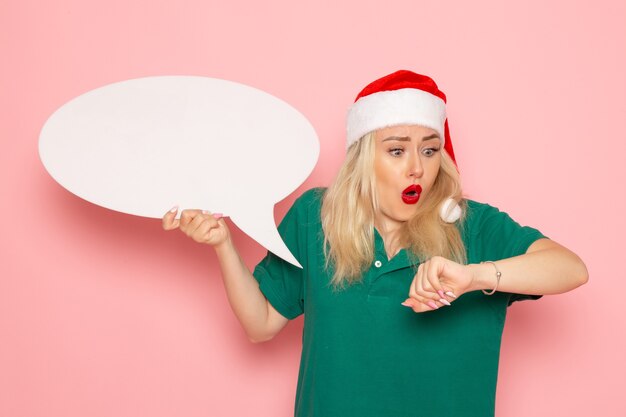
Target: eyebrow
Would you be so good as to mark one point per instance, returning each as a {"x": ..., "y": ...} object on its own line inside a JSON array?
[{"x": 408, "y": 139}]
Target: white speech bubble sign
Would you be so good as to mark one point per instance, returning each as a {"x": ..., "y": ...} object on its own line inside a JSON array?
[{"x": 144, "y": 145}]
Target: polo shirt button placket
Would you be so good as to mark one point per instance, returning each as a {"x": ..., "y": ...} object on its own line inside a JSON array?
[{"x": 374, "y": 275}]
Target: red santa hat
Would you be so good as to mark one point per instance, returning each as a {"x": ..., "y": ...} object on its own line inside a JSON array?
[
  {"x": 403, "y": 98},
  {"x": 400, "y": 98}
]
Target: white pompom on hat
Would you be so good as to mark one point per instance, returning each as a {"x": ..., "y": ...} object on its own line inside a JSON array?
[
  {"x": 450, "y": 211},
  {"x": 403, "y": 98}
]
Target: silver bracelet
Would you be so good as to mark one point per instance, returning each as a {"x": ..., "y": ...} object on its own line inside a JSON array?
[{"x": 498, "y": 275}]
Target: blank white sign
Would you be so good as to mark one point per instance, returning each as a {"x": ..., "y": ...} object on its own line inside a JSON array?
[{"x": 145, "y": 145}]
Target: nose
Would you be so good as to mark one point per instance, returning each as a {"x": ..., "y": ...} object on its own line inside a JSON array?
[{"x": 415, "y": 168}]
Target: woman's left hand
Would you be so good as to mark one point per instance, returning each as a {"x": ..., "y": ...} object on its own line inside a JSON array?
[{"x": 438, "y": 282}]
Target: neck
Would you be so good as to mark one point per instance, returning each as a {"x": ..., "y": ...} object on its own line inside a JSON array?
[{"x": 390, "y": 233}]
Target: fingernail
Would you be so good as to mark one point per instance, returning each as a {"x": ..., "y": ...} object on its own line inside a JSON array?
[
  {"x": 444, "y": 301},
  {"x": 440, "y": 293},
  {"x": 174, "y": 209},
  {"x": 218, "y": 215},
  {"x": 406, "y": 304},
  {"x": 451, "y": 294},
  {"x": 433, "y": 305}
]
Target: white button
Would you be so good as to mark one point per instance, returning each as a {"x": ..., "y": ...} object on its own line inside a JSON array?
[{"x": 378, "y": 264}]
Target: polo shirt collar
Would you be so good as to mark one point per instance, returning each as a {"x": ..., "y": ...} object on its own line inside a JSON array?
[{"x": 401, "y": 260}]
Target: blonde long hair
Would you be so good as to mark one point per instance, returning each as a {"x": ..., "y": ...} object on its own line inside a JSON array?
[{"x": 350, "y": 205}]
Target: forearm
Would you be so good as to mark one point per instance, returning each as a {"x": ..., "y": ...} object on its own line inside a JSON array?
[
  {"x": 548, "y": 268},
  {"x": 258, "y": 318},
  {"x": 245, "y": 298}
]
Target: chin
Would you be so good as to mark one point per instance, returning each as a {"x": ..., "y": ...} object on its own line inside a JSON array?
[
  {"x": 397, "y": 213},
  {"x": 403, "y": 215},
  {"x": 406, "y": 218}
]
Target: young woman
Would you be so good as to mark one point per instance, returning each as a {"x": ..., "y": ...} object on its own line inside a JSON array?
[{"x": 392, "y": 237}]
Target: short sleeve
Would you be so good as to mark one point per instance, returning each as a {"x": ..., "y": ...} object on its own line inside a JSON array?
[
  {"x": 281, "y": 282},
  {"x": 495, "y": 235}
]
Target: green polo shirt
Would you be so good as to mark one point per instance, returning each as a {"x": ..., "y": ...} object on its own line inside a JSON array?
[{"x": 364, "y": 354}]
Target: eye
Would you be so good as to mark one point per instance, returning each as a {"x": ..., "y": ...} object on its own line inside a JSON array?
[
  {"x": 428, "y": 152},
  {"x": 396, "y": 151}
]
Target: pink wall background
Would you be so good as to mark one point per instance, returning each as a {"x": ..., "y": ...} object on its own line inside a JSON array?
[{"x": 104, "y": 314}]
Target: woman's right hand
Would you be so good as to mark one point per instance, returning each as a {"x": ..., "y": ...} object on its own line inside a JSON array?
[
  {"x": 259, "y": 319},
  {"x": 201, "y": 226}
]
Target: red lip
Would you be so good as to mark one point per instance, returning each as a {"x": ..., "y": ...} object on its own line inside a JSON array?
[{"x": 411, "y": 194}]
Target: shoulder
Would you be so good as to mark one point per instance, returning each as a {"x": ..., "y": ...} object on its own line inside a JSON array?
[
  {"x": 305, "y": 210},
  {"x": 479, "y": 207},
  {"x": 312, "y": 195},
  {"x": 476, "y": 211},
  {"x": 310, "y": 200},
  {"x": 486, "y": 223},
  {"x": 481, "y": 217}
]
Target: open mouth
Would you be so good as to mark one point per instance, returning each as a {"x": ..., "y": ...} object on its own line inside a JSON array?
[{"x": 411, "y": 194}]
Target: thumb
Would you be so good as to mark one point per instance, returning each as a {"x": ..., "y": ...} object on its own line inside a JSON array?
[{"x": 169, "y": 219}]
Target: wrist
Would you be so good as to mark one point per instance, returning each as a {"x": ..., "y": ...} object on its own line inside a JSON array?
[
  {"x": 224, "y": 246},
  {"x": 483, "y": 277}
]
